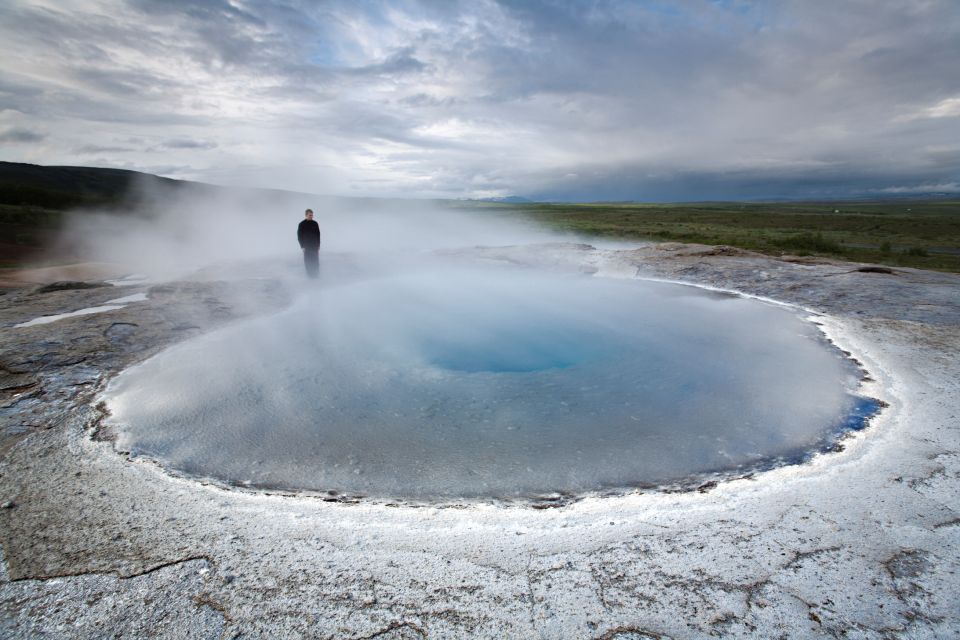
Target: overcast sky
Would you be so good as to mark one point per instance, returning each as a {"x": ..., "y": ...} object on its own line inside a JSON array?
[{"x": 600, "y": 100}]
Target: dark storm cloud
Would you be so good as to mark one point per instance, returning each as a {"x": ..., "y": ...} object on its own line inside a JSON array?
[
  {"x": 94, "y": 149},
  {"x": 212, "y": 31},
  {"x": 184, "y": 143},
  {"x": 71, "y": 68},
  {"x": 639, "y": 183},
  {"x": 401, "y": 62},
  {"x": 138, "y": 146},
  {"x": 602, "y": 100},
  {"x": 18, "y": 135}
]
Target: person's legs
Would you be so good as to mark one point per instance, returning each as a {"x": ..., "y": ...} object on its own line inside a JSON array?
[{"x": 311, "y": 262}]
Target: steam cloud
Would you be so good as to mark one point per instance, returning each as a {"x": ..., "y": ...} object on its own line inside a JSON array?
[
  {"x": 416, "y": 369},
  {"x": 168, "y": 233}
]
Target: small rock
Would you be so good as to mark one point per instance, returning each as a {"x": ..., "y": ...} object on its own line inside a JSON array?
[
  {"x": 9, "y": 504},
  {"x": 707, "y": 486}
]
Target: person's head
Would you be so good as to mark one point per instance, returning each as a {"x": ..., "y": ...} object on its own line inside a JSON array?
[{"x": 308, "y": 214}]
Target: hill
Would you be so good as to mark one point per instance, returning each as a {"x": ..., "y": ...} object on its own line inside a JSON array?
[
  {"x": 61, "y": 188},
  {"x": 34, "y": 200}
]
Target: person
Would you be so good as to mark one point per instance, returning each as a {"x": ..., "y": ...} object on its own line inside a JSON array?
[{"x": 308, "y": 235}]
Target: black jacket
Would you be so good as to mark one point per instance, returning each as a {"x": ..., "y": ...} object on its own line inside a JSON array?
[{"x": 308, "y": 234}]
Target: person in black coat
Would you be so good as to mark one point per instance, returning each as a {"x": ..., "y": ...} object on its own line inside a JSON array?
[{"x": 308, "y": 235}]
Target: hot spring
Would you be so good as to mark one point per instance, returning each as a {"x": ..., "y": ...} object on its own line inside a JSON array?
[{"x": 449, "y": 382}]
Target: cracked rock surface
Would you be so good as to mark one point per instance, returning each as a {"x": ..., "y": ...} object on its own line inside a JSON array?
[{"x": 863, "y": 543}]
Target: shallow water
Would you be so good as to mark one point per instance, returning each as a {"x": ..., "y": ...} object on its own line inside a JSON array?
[
  {"x": 109, "y": 305},
  {"x": 495, "y": 382}
]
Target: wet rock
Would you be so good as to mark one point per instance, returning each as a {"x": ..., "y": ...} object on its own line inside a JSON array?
[
  {"x": 631, "y": 633},
  {"x": 68, "y": 358},
  {"x": 907, "y": 564},
  {"x": 707, "y": 486},
  {"x": 552, "y": 500},
  {"x": 66, "y": 285},
  {"x": 875, "y": 269},
  {"x": 15, "y": 381},
  {"x": 725, "y": 250},
  {"x": 121, "y": 332}
]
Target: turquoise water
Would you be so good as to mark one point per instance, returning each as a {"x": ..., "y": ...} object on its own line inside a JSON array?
[{"x": 453, "y": 383}]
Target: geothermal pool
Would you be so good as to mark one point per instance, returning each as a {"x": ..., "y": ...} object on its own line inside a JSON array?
[{"x": 447, "y": 383}]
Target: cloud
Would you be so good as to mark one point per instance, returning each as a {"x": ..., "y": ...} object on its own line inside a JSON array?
[
  {"x": 471, "y": 99},
  {"x": 397, "y": 63},
  {"x": 91, "y": 149},
  {"x": 17, "y": 135},
  {"x": 946, "y": 108},
  {"x": 185, "y": 143},
  {"x": 943, "y": 187}
]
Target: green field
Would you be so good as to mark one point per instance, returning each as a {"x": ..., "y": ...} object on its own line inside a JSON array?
[{"x": 922, "y": 234}]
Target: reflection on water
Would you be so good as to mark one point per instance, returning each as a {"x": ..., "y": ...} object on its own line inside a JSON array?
[{"x": 489, "y": 383}]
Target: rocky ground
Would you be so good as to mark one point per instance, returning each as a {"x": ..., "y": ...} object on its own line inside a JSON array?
[{"x": 860, "y": 543}]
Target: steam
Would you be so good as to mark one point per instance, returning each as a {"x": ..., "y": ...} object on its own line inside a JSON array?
[
  {"x": 170, "y": 232},
  {"x": 414, "y": 369}
]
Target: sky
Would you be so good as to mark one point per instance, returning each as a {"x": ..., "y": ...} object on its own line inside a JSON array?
[{"x": 550, "y": 100}]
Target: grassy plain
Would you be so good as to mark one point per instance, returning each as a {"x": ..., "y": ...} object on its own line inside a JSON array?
[{"x": 922, "y": 234}]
